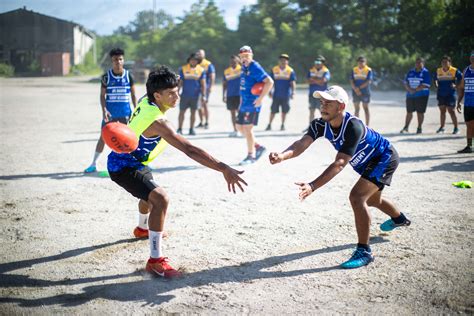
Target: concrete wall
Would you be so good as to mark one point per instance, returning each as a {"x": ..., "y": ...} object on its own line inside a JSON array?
[{"x": 82, "y": 44}]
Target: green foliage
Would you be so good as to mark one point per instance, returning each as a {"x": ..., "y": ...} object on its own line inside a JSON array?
[
  {"x": 390, "y": 33},
  {"x": 88, "y": 66},
  {"x": 6, "y": 70}
]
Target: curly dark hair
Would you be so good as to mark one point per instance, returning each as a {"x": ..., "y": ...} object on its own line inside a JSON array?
[
  {"x": 160, "y": 79},
  {"x": 116, "y": 52}
]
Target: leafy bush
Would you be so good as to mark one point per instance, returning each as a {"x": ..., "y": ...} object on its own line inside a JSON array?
[{"x": 6, "y": 70}]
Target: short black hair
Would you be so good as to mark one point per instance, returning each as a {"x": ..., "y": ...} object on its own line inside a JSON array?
[
  {"x": 160, "y": 79},
  {"x": 116, "y": 52},
  {"x": 446, "y": 57},
  {"x": 420, "y": 59}
]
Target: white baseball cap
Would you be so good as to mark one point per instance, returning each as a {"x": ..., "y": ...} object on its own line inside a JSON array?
[{"x": 333, "y": 93}]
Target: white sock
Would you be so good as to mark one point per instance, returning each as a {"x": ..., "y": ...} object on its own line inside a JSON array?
[
  {"x": 142, "y": 220},
  {"x": 96, "y": 156},
  {"x": 155, "y": 244}
]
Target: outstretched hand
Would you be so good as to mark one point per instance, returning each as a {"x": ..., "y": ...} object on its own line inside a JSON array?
[
  {"x": 305, "y": 190},
  {"x": 232, "y": 178},
  {"x": 275, "y": 158}
]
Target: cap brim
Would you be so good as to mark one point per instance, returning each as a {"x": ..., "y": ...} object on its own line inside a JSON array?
[{"x": 324, "y": 95}]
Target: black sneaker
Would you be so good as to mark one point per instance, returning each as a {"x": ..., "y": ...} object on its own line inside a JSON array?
[
  {"x": 206, "y": 126},
  {"x": 192, "y": 132},
  {"x": 404, "y": 130},
  {"x": 440, "y": 130},
  {"x": 466, "y": 150},
  {"x": 200, "y": 125},
  {"x": 179, "y": 131},
  {"x": 269, "y": 127},
  {"x": 282, "y": 127},
  {"x": 418, "y": 130}
]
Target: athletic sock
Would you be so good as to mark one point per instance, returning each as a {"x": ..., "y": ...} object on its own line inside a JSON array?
[
  {"x": 400, "y": 219},
  {"x": 96, "y": 156},
  {"x": 469, "y": 142},
  {"x": 143, "y": 221},
  {"x": 364, "y": 246},
  {"x": 155, "y": 244}
]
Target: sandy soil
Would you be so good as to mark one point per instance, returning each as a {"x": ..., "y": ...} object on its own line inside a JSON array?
[{"x": 66, "y": 238}]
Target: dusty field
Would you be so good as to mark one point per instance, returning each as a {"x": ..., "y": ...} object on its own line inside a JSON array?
[{"x": 66, "y": 238}]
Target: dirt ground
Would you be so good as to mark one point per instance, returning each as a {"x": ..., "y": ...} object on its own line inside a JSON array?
[{"x": 66, "y": 238}]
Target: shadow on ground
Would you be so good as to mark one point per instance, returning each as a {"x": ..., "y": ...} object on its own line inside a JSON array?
[{"x": 150, "y": 291}]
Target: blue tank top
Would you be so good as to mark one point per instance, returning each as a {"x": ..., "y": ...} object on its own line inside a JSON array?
[
  {"x": 117, "y": 99},
  {"x": 371, "y": 145},
  {"x": 469, "y": 87}
]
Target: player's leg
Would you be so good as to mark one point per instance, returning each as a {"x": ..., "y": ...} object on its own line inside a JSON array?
[
  {"x": 233, "y": 117},
  {"x": 442, "y": 118},
  {"x": 274, "y": 109},
  {"x": 454, "y": 119},
  {"x": 365, "y": 105},
  {"x": 469, "y": 119},
  {"x": 410, "y": 107},
  {"x": 193, "y": 106},
  {"x": 356, "y": 107},
  {"x": 99, "y": 148},
  {"x": 285, "y": 108},
  {"x": 141, "y": 231},
  {"x": 358, "y": 197}
]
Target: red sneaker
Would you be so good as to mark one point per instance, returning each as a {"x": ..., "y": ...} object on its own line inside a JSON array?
[
  {"x": 161, "y": 267},
  {"x": 140, "y": 232}
]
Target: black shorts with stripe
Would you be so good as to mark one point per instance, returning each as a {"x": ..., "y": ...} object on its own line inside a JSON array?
[{"x": 139, "y": 183}]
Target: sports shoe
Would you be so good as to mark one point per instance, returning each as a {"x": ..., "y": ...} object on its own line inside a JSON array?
[
  {"x": 440, "y": 130},
  {"x": 234, "y": 134},
  {"x": 282, "y": 127},
  {"x": 418, "y": 130},
  {"x": 466, "y": 150},
  {"x": 390, "y": 225},
  {"x": 200, "y": 125},
  {"x": 140, "y": 232},
  {"x": 247, "y": 161},
  {"x": 161, "y": 267},
  {"x": 259, "y": 151},
  {"x": 90, "y": 169},
  {"x": 404, "y": 130},
  {"x": 179, "y": 131},
  {"x": 192, "y": 132},
  {"x": 360, "y": 258},
  {"x": 269, "y": 127},
  {"x": 206, "y": 126},
  {"x": 455, "y": 131}
]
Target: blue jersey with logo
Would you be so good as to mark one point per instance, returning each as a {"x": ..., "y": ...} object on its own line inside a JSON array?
[
  {"x": 117, "y": 98},
  {"x": 232, "y": 77},
  {"x": 361, "y": 76},
  {"x": 283, "y": 79},
  {"x": 416, "y": 78},
  {"x": 371, "y": 144},
  {"x": 318, "y": 74},
  {"x": 191, "y": 80},
  {"x": 468, "y": 76},
  {"x": 208, "y": 69},
  {"x": 446, "y": 79},
  {"x": 250, "y": 75}
]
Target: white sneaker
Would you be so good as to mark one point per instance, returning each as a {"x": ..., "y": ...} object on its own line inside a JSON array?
[{"x": 235, "y": 134}]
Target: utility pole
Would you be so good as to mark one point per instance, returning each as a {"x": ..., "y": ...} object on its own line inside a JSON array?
[{"x": 154, "y": 16}]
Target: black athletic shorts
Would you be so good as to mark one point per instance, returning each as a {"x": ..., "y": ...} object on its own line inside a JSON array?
[
  {"x": 247, "y": 118},
  {"x": 380, "y": 170},
  {"x": 139, "y": 183},
  {"x": 449, "y": 100},
  {"x": 188, "y": 102},
  {"x": 417, "y": 104},
  {"x": 233, "y": 102},
  {"x": 284, "y": 103},
  {"x": 468, "y": 113},
  {"x": 314, "y": 103},
  {"x": 121, "y": 119},
  {"x": 364, "y": 98}
]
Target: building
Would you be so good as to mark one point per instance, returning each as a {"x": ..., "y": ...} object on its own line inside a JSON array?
[{"x": 34, "y": 42}]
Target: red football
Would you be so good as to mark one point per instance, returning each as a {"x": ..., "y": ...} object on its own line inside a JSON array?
[
  {"x": 257, "y": 88},
  {"x": 119, "y": 137}
]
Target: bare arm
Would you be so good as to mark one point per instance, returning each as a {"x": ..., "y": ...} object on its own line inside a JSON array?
[
  {"x": 224, "y": 90},
  {"x": 213, "y": 80},
  {"x": 164, "y": 129},
  {"x": 293, "y": 88},
  {"x": 331, "y": 171},
  {"x": 203, "y": 89},
  {"x": 134, "y": 96},
  {"x": 266, "y": 89},
  {"x": 460, "y": 94},
  {"x": 295, "y": 149},
  {"x": 105, "y": 113}
]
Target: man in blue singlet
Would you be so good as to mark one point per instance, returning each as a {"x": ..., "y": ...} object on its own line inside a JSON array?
[
  {"x": 369, "y": 154},
  {"x": 131, "y": 171},
  {"x": 116, "y": 91},
  {"x": 250, "y": 105},
  {"x": 466, "y": 92}
]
